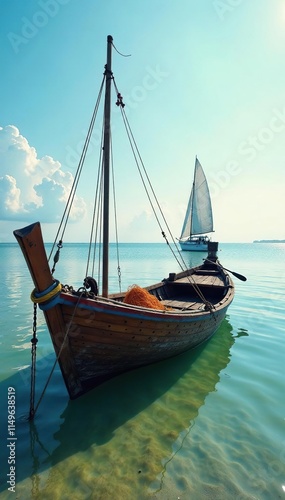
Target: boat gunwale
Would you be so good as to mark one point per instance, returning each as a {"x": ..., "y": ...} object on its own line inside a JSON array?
[{"x": 115, "y": 307}]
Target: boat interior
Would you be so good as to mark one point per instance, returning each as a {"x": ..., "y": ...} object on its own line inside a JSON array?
[{"x": 185, "y": 291}]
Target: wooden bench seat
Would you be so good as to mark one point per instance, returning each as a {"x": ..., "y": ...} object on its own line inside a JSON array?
[
  {"x": 182, "y": 304},
  {"x": 203, "y": 280}
]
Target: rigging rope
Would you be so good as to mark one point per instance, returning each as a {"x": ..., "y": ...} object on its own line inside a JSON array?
[
  {"x": 98, "y": 199},
  {"x": 123, "y": 55},
  {"x": 96, "y": 207},
  {"x": 116, "y": 220},
  {"x": 68, "y": 206},
  {"x": 146, "y": 180},
  {"x": 96, "y": 226}
]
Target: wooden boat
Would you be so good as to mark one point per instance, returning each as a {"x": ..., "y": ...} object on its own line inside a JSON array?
[
  {"x": 198, "y": 222},
  {"x": 97, "y": 335}
]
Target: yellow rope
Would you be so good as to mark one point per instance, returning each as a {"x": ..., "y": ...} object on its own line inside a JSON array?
[{"x": 46, "y": 297}]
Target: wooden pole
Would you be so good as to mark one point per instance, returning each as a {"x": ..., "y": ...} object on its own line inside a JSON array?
[{"x": 107, "y": 136}]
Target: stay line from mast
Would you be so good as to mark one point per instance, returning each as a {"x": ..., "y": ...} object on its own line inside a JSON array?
[
  {"x": 142, "y": 170},
  {"x": 71, "y": 196}
]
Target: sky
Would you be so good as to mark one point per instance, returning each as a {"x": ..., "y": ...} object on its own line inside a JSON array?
[{"x": 204, "y": 77}]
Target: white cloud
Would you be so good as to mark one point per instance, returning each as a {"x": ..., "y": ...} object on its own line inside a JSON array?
[
  {"x": 9, "y": 195},
  {"x": 32, "y": 186}
]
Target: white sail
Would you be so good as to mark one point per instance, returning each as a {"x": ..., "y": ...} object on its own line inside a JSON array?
[{"x": 199, "y": 217}]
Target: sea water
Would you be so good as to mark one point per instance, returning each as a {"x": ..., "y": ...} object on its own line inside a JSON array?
[{"x": 208, "y": 424}]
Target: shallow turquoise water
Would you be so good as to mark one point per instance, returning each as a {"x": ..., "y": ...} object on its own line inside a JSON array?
[{"x": 207, "y": 424}]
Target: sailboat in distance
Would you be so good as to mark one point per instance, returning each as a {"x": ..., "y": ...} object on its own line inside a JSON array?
[{"x": 198, "y": 220}]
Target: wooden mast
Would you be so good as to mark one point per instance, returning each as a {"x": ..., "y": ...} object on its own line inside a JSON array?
[{"x": 106, "y": 160}]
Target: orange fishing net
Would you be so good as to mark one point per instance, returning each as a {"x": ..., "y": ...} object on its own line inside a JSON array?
[{"x": 138, "y": 296}]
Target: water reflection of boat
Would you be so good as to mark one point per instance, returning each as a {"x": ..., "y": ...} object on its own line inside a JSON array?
[
  {"x": 140, "y": 418},
  {"x": 129, "y": 412}
]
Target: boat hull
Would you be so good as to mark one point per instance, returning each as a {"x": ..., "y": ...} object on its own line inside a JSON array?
[
  {"x": 106, "y": 339},
  {"x": 193, "y": 246},
  {"x": 96, "y": 338},
  {"x": 195, "y": 243}
]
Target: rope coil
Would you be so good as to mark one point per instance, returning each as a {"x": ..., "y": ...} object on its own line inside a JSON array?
[{"x": 46, "y": 295}]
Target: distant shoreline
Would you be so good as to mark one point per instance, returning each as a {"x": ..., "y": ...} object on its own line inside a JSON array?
[{"x": 269, "y": 241}]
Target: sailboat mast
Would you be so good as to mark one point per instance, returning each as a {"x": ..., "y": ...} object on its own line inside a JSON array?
[
  {"x": 106, "y": 156},
  {"x": 193, "y": 198}
]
